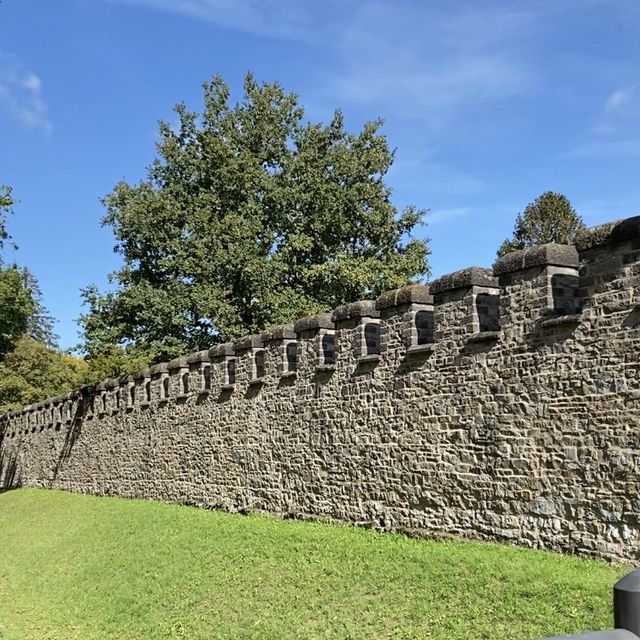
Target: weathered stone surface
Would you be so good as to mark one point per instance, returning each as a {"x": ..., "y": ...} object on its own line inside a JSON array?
[
  {"x": 360, "y": 309},
  {"x": 312, "y": 323},
  {"x": 282, "y": 332},
  {"x": 198, "y": 357},
  {"x": 532, "y": 437},
  {"x": 413, "y": 294},
  {"x": 616, "y": 231},
  {"x": 248, "y": 342},
  {"x": 470, "y": 277},
  {"x": 177, "y": 363},
  {"x": 561, "y": 255},
  {"x": 161, "y": 367},
  {"x": 221, "y": 350}
]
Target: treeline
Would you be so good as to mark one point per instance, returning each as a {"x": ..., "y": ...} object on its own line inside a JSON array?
[{"x": 31, "y": 366}]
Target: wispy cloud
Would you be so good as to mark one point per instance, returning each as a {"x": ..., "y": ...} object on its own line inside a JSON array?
[
  {"x": 616, "y": 131},
  {"x": 21, "y": 95},
  {"x": 269, "y": 18},
  {"x": 445, "y": 215},
  {"x": 417, "y": 58},
  {"x": 618, "y": 99},
  {"x": 441, "y": 178},
  {"x": 423, "y": 60}
]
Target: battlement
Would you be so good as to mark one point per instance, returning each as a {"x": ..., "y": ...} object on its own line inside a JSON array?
[{"x": 498, "y": 403}]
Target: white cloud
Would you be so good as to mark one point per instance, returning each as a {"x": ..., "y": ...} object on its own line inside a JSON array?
[
  {"x": 618, "y": 99},
  {"x": 21, "y": 95},
  {"x": 445, "y": 215}
]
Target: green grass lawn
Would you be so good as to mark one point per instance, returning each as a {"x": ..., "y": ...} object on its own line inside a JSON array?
[{"x": 74, "y": 566}]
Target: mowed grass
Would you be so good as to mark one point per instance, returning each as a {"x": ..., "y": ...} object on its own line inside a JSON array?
[{"x": 74, "y": 566}]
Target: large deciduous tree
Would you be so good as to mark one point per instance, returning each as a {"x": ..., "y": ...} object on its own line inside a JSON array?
[
  {"x": 250, "y": 217},
  {"x": 549, "y": 218}
]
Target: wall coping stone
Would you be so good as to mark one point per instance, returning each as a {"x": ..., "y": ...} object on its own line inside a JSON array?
[
  {"x": 559, "y": 255},
  {"x": 616, "y": 231},
  {"x": 177, "y": 363},
  {"x": 223, "y": 349},
  {"x": 311, "y": 323},
  {"x": 248, "y": 342},
  {"x": 161, "y": 367},
  {"x": 198, "y": 357},
  {"x": 360, "y": 309},
  {"x": 414, "y": 293},
  {"x": 281, "y": 332},
  {"x": 142, "y": 374},
  {"x": 470, "y": 277}
]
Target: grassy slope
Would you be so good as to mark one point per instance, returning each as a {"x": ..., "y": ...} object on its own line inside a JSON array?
[{"x": 83, "y": 567}]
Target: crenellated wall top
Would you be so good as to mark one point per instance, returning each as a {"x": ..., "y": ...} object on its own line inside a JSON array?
[{"x": 543, "y": 255}]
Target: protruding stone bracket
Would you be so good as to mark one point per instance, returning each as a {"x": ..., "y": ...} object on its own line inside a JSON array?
[
  {"x": 142, "y": 380},
  {"x": 160, "y": 375},
  {"x": 484, "y": 290},
  {"x": 252, "y": 347},
  {"x": 559, "y": 264},
  {"x": 128, "y": 384},
  {"x": 200, "y": 363},
  {"x": 180, "y": 367},
  {"x": 416, "y": 303},
  {"x": 485, "y": 336},
  {"x": 368, "y": 338},
  {"x": 421, "y": 349},
  {"x": 225, "y": 354},
  {"x": 321, "y": 328},
  {"x": 284, "y": 338}
]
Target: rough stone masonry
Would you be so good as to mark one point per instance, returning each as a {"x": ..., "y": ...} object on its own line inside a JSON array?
[{"x": 496, "y": 404}]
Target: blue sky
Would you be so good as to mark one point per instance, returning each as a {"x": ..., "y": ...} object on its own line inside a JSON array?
[{"x": 489, "y": 103}]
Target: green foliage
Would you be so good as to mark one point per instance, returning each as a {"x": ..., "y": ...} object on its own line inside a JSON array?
[
  {"x": 249, "y": 218},
  {"x": 16, "y": 307},
  {"x": 114, "y": 361},
  {"x": 549, "y": 218},
  {"x": 31, "y": 371},
  {"x": 82, "y": 567},
  {"x": 6, "y": 206}
]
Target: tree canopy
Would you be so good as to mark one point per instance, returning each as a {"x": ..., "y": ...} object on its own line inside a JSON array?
[
  {"x": 549, "y": 218},
  {"x": 32, "y": 371},
  {"x": 30, "y": 367},
  {"x": 249, "y": 217}
]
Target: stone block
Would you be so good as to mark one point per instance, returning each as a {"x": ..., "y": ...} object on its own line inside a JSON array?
[
  {"x": 470, "y": 277},
  {"x": 560, "y": 255}
]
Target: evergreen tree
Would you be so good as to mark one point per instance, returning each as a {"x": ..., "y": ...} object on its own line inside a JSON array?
[{"x": 549, "y": 218}]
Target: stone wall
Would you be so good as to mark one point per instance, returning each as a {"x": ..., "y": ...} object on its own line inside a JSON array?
[{"x": 497, "y": 404}]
